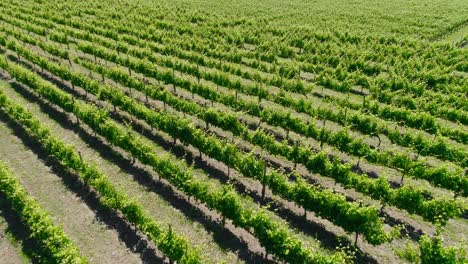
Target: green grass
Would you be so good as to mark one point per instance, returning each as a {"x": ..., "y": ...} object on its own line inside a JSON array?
[{"x": 458, "y": 35}]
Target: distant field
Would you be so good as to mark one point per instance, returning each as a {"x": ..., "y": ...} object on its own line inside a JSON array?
[
  {"x": 403, "y": 19},
  {"x": 248, "y": 132}
]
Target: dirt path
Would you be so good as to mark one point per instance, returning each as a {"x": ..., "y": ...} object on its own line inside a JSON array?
[{"x": 10, "y": 250}]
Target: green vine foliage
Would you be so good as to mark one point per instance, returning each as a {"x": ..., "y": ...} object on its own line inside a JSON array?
[
  {"x": 55, "y": 246},
  {"x": 227, "y": 202}
]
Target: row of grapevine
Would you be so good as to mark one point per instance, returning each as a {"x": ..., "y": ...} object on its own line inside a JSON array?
[
  {"x": 422, "y": 121},
  {"x": 54, "y": 244},
  {"x": 456, "y": 113}
]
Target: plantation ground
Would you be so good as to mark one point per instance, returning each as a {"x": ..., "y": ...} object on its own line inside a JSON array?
[{"x": 254, "y": 132}]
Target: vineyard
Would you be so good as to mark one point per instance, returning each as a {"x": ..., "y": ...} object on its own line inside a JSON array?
[{"x": 140, "y": 131}]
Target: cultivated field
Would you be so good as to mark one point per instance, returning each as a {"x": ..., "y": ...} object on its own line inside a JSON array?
[{"x": 177, "y": 131}]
